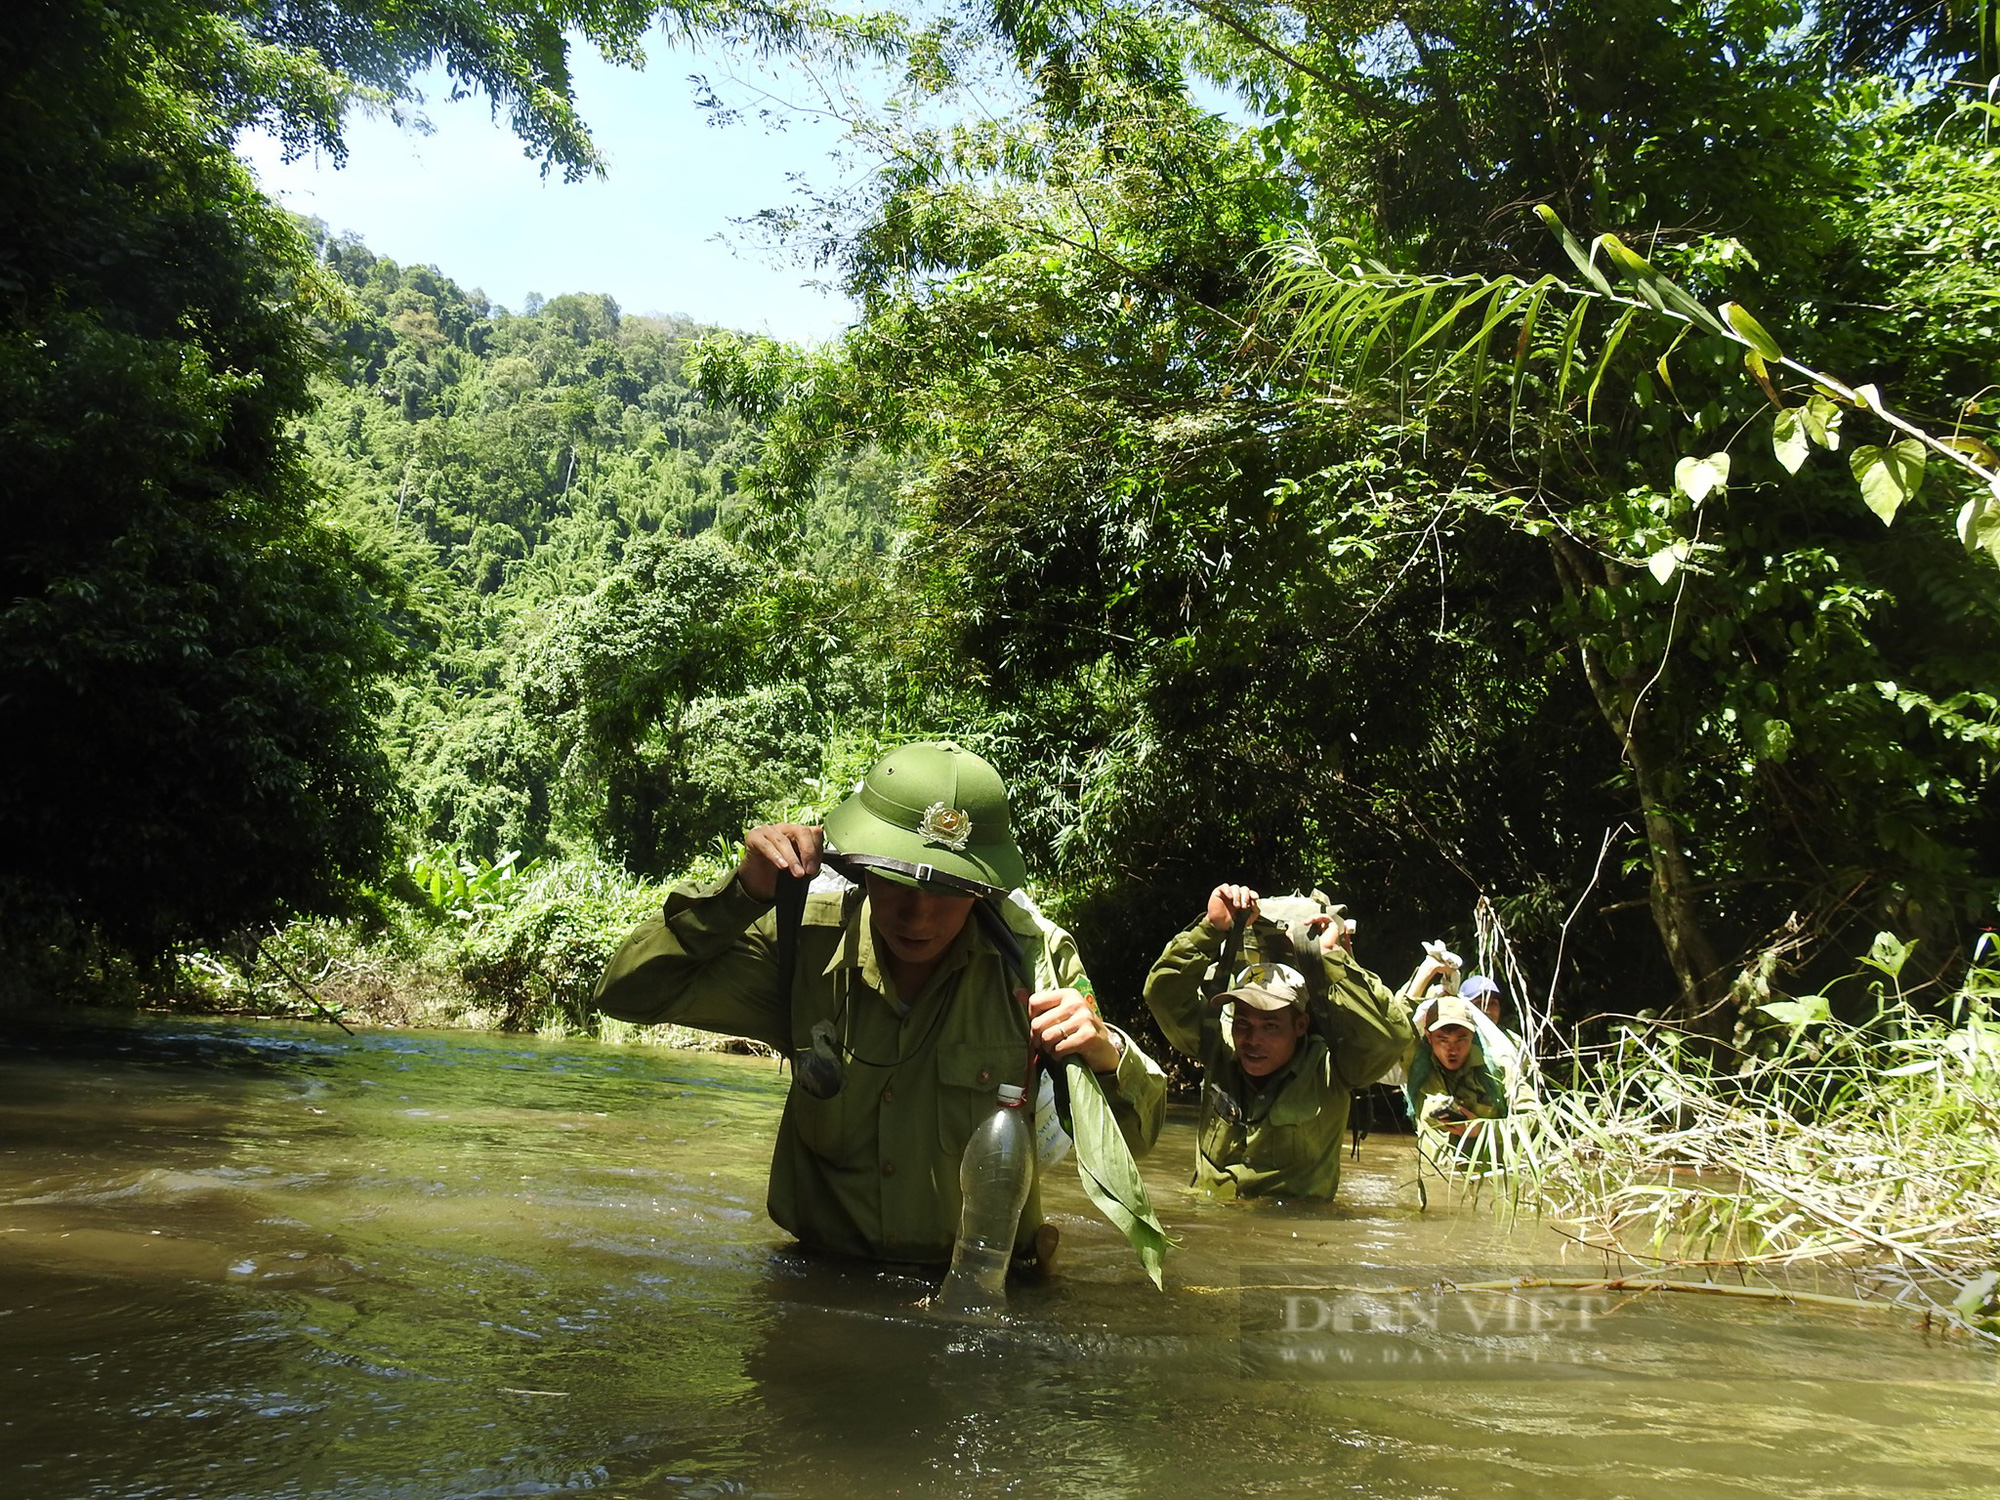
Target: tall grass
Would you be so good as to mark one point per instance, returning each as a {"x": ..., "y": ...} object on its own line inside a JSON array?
[{"x": 1855, "y": 1129}]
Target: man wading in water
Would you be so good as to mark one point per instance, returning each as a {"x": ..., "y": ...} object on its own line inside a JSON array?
[
  {"x": 1282, "y": 1048},
  {"x": 902, "y": 1012}
]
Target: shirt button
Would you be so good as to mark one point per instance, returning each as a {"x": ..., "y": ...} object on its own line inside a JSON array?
[
  {"x": 888, "y": 1096},
  {"x": 984, "y": 1077},
  {"x": 888, "y": 1169}
]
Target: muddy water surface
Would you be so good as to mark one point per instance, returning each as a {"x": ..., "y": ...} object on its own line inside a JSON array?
[{"x": 260, "y": 1261}]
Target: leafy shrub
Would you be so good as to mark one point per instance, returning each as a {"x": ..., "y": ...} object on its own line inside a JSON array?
[{"x": 536, "y": 959}]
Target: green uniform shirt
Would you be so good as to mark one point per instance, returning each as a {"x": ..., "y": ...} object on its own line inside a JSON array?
[
  {"x": 872, "y": 1171},
  {"x": 1491, "y": 1084},
  {"x": 1278, "y": 1136}
]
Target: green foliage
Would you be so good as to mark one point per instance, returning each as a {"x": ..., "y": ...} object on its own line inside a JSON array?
[
  {"x": 536, "y": 960},
  {"x": 611, "y": 680},
  {"x": 1383, "y": 585},
  {"x": 553, "y": 497},
  {"x": 213, "y": 558},
  {"x": 188, "y": 667},
  {"x": 298, "y": 67},
  {"x": 466, "y": 890}
]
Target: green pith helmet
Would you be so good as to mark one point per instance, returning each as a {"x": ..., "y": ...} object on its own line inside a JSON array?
[{"x": 937, "y": 815}]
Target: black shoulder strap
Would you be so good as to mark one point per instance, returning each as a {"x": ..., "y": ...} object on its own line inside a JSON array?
[
  {"x": 791, "y": 911},
  {"x": 994, "y": 922}
]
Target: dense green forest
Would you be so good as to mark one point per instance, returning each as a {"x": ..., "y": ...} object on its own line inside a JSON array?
[{"x": 1523, "y": 468}]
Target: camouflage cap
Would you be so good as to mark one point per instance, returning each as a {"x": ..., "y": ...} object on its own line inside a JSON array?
[
  {"x": 932, "y": 815},
  {"x": 1449, "y": 1010},
  {"x": 1268, "y": 987}
]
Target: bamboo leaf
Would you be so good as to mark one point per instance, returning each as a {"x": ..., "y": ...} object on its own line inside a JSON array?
[
  {"x": 1750, "y": 331},
  {"x": 1685, "y": 303},
  {"x": 1761, "y": 373},
  {"x": 1566, "y": 358},
  {"x": 1604, "y": 360},
  {"x": 1888, "y": 476},
  {"x": 1623, "y": 256},
  {"x": 1524, "y": 345},
  {"x": 1503, "y": 297},
  {"x": 1109, "y": 1175},
  {"x": 1973, "y": 449},
  {"x": 1578, "y": 257},
  {"x": 1451, "y": 316}
]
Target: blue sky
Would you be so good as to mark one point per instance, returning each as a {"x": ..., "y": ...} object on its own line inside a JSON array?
[{"x": 466, "y": 200}]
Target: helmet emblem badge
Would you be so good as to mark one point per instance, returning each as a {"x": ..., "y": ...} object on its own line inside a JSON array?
[{"x": 948, "y": 826}]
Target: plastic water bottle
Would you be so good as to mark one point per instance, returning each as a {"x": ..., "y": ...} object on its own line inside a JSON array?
[{"x": 994, "y": 1176}]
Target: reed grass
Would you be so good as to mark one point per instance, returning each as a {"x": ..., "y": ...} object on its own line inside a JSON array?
[{"x": 1853, "y": 1129}]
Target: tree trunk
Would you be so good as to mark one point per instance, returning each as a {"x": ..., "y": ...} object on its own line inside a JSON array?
[{"x": 1671, "y": 893}]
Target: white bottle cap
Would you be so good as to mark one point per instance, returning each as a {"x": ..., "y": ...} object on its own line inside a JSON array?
[{"x": 1012, "y": 1094}]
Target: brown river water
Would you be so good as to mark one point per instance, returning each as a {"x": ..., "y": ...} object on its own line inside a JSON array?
[{"x": 258, "y": 1260}]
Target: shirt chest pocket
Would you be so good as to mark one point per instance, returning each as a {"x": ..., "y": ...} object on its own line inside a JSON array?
[
  {"x": 841, "y": 1129},
  {"x": 969, "y": 1077},
  {"x": 1274, "y": 1147},
  {"x": 1221, "y": 1134},
  {"x": 1287, "y": 1133}
]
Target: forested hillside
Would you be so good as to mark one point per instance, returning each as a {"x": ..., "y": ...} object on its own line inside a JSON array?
[{"x": 591, "y": 656}]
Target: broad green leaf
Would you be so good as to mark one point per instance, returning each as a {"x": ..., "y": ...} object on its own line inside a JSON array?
[
  {"x": 1772, "y": 738},
  {"x": 1698, "y": 478},
  {"x": 1663, "y": 563},
  {"x": 1979, "y": 522},
  {"x": 1750, "y": 331},
  {"x": 1888, "y": 476},
  {"x": 1888, "y": 954},
  {"x": 1822, "y": 419},
  {"x": 1807, "y": 1010},
  {"x": 1789, "y": 439},
  {"x": 1109, "y": 1175}
]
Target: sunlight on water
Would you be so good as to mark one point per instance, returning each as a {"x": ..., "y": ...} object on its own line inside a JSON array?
[{"x": 262, "y": 1261}]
